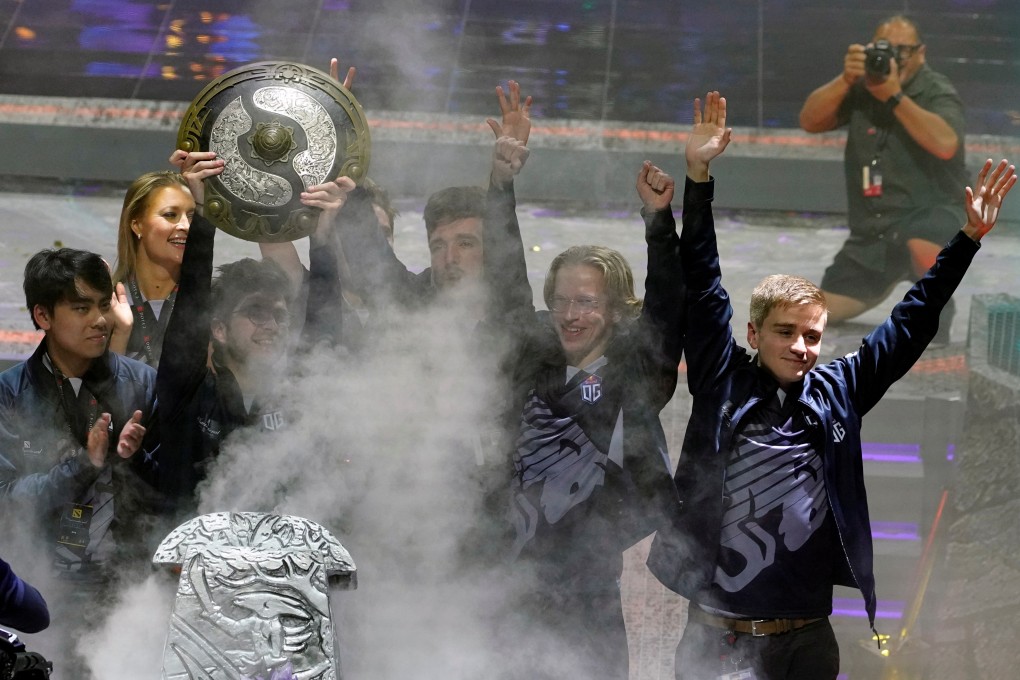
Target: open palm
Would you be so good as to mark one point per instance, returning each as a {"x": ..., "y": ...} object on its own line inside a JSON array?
[
  {"x": 709, "y": 137},
  {"x": 516, "y": 114},
  {"x": 983, "y": 204}
]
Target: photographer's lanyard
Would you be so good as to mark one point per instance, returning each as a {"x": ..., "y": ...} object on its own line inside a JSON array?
[
  {"x": 871, "y": 173},
  {"x": 152, "y": 328}
]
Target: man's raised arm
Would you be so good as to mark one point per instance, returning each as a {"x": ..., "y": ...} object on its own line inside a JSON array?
[
  {"x": 820, "y": 112},
  {"x": 709, "y": 340},
  {"x": 505, "y": 268}
]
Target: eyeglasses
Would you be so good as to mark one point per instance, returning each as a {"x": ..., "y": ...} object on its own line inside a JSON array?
[
  {"x": 585, "y": 305},
  {"x": 906, "y": 51},
  {"x": 260, "y": 315}
]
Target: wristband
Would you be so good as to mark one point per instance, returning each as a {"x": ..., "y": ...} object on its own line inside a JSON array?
[{"x": 894, "y": 101}]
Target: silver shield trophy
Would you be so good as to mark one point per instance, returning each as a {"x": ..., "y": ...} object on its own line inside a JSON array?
[{"x": 281, "y": 128}]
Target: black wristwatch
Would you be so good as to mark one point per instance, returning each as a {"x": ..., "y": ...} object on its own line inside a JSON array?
[{"x": 894, "y": 101}]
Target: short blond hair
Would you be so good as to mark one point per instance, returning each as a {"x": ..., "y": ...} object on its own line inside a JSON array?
[{"x": 783, "y": 290}]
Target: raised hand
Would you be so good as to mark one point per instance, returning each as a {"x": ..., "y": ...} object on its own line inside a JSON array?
[
  {"x": 195, "y": 167},
  {"x": 709, "y": 137},
  {"x": 334, "y": 71},
  {"x": 121, "y": 318},
  {"x": 508, "y": 157},
  {"x": 330, "y": 198},
  {"x": 654, "y": 187},
  {"x": 983, "y": 205},
  {"x": 516, "y": 120},
  {"x": 853, "y": 63},
  {"x": 131, "y": 436}
]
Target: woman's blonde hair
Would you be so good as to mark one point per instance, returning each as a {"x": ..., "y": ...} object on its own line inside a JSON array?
[{"x": 136, "y": 201}]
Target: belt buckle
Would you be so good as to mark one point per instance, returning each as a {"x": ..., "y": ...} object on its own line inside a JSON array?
[{"x": 754, "y": 627}]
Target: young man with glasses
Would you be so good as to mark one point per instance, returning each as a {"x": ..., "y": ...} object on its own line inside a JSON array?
[
  {"x": 591, "y": 474},
  {"x": 245, "y": 313},
  {"x": 904, "y": 166}
]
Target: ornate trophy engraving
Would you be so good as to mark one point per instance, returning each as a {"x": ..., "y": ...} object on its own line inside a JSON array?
[
  {"x": 281, "y": 128},
  {"x": 252, "y": 602}
]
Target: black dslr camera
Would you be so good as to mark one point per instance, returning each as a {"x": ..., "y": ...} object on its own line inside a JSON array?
[
  {"x": 17, "y": 664},
  {"x": 878, "y": 59}
]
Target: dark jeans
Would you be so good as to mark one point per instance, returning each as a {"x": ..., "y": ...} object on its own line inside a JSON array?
[{"x": 809, "y": 653}]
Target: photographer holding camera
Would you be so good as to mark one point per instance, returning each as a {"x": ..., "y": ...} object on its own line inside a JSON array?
[{"x": 904, "y": 166}]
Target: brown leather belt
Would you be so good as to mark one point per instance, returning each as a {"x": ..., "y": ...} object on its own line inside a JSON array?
[{"x": 756, "y": 627}]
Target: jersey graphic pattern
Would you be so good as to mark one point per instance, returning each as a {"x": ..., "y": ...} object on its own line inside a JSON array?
[
  {"x": 555, "y": 453},
  {"x": 769, "y": 474}
]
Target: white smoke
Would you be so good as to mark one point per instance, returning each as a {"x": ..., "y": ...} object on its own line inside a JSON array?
[
  {"x": 129, "y": 642},
  {"x": 383, "y": 452}
]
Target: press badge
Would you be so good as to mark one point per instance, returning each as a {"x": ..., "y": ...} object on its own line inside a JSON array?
[
  {"x": 871, "y": 178},
  {"x": 74, "y": 527}
]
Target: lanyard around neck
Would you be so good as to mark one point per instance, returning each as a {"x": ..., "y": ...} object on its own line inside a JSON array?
[{"x": 152, "y": 327}]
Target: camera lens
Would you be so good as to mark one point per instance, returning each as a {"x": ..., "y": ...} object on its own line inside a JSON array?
[{"x": 878, "y": 58}]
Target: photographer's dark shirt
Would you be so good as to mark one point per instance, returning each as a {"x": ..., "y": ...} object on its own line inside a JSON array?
[{"x": 912, "y": 178}]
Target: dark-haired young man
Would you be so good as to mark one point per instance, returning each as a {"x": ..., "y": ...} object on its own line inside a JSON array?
[
  {"x": 71, "y": 414},
  {"x": 246, "y": 314},
  {"x": 455, "y": 220}
]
